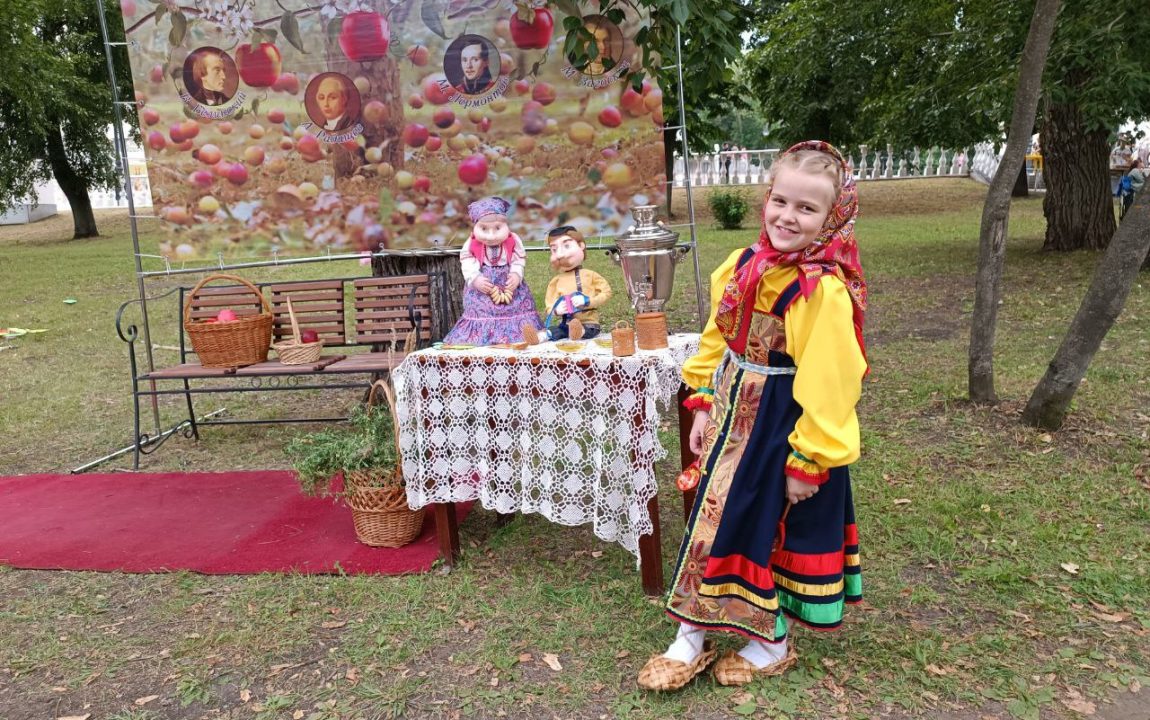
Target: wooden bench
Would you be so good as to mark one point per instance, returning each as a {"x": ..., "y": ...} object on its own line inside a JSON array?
[{"x": 368, "y": 325}]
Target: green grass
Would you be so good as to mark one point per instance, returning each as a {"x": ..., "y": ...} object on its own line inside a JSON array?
[{"x": 969, "y": 611}]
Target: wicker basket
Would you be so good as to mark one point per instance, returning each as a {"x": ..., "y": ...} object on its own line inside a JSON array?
[
  {"x": 294, "y": 351},
  {"x": 622, "y": 340},
  {"x": 243, "y": 341},
  {"x": 382, "y": 517},
  {"x": 377, "y": 496}
]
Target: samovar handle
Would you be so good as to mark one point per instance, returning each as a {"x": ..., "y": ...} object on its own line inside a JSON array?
[{"x": 613, "y": 253}]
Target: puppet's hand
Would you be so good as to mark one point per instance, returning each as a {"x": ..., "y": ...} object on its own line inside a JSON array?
[{"x": 484, "y": 285}]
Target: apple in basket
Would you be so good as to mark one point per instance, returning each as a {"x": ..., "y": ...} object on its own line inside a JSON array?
[
  {"x": 308, "y": 336},
  {"x": 226, "y": 315}
]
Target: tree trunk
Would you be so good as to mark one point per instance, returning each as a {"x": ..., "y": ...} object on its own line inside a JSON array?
[
  {"x": 447, "y": 297},
  {"x": 386, "y": 87},
  {"x": 1021, "y": 188},
  {"x": 1103, "y": 303},
  {"x": 669, "y": 146},
  {"x": 1078, "y": 206},
  {"x": 996, "y": 210},
  {"x": 74, "y": 188}
]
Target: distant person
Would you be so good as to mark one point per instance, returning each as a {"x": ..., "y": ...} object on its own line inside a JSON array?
[
  {"x": 1122, "y": 153},
  {"x": 474, "y": 61},
  {"x": 725, "y": 158},
  {"x": 209, "y": 78},
  {"x": 1130, "y": 185}
]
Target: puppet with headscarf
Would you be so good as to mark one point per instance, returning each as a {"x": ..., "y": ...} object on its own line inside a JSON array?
[
  {"x": 777, "y": 376},
  {"x": 497, "y": 304}
]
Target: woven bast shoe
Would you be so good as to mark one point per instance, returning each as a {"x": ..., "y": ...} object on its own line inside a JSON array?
[
  {"x": 663, "y": 673},
  {"x": 734, "y": 669}
]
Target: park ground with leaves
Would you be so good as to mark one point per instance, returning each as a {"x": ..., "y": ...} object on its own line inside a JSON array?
[{"x": 1005, "y": 568}]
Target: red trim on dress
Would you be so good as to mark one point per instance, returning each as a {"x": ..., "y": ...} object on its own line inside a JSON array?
[
  {"x": 740, "y": 565},
  {"x": 831, "y": 563}
]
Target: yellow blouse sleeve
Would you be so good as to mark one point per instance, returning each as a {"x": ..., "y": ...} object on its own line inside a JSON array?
[
  {"x": 700, "y": 368},
  {"x": 828, "y": 383}
]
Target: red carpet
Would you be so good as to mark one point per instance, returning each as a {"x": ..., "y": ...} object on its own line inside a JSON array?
[{"x": 216, "y": 523}]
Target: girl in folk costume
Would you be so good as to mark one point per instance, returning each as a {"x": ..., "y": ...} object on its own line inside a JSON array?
[
  {"x": 497, "y": 304},
  {"x": 777, "y": 376}
]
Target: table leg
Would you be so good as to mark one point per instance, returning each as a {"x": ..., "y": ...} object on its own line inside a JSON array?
[
  {"x": 447, "y": 529},
  {"x": 650, "y": 553},
  {"x": 686, "y": 457}
]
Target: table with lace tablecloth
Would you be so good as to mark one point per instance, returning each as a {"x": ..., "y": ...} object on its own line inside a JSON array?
[{"x": 573, "y": 436}]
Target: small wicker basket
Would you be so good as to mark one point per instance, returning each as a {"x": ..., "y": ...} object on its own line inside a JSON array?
[
  {"x": 294, "y": 351},
  {"x": 622, "y": 340},
  {"x": 236, "y": 343},
  {"x": 378, "y": 498}
]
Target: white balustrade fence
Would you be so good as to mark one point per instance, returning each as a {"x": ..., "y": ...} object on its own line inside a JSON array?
[
  {"x": 987, "y": 156},
  {"x": 749, "y": 167}
]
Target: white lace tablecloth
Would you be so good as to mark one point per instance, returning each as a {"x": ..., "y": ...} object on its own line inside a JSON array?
[{"x": 571, "y": 436}]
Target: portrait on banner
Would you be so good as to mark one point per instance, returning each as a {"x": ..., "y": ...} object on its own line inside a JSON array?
[
  {"x": 210, "y": 76},
  {"x": 471, "y": 64},
  {"x": 332, "y": 102}
]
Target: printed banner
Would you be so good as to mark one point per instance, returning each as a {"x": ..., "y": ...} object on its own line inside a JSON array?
[{"x": 279, "y": 127}]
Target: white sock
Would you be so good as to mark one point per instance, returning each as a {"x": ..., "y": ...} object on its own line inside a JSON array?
[
  {"x": 688, "y": 644},
  {"x": 761, "y": 654}
]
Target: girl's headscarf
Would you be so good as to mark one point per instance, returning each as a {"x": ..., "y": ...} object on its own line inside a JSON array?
[{"x": 834, "y": 252}]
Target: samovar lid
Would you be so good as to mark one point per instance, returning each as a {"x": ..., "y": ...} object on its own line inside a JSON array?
[{"x": 647, "y": 231}]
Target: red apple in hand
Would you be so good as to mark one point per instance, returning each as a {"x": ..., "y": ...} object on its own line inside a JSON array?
[
  {"x": 260, "y": 66},
  {"x": 226, "y": 315},
  {"x": 534, "y": 35},
  {"x": 364, "y": 36},
  {"x": 308, "y": 336}
]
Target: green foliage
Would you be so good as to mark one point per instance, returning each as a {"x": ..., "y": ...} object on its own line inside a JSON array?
[
  {"x": 369, "y": 442},
  {"x": 916, "y": 73},
  {"x": 54, "y": 93},
  {"x": 729, "y": 207},
  {"x": 712, "y": 43}
]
